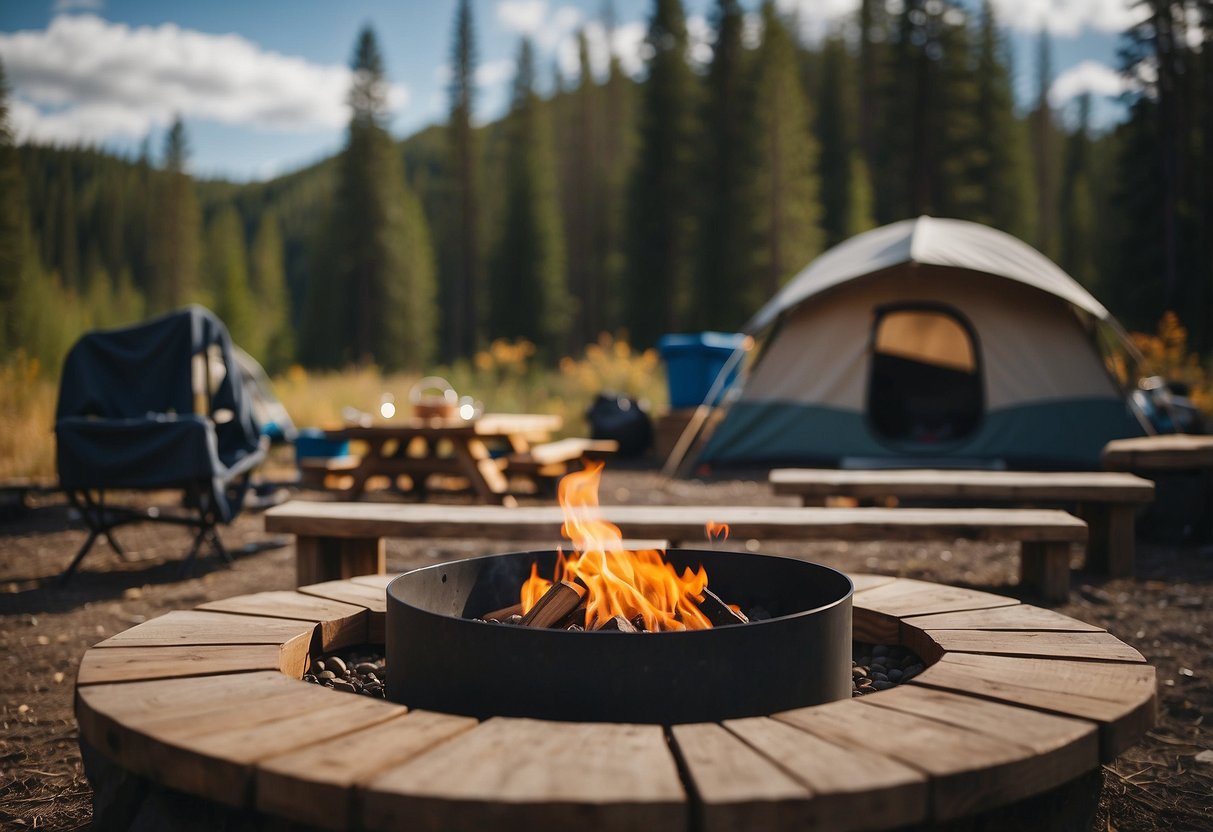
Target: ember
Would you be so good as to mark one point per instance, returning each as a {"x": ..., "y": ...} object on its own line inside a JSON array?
[{"x": 603, "y": 586}]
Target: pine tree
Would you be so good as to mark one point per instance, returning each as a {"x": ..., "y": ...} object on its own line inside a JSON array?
[
  {"x": 846, "y": 188},
  {"x": 175, "y": 225},
  {"x": 662, "y": 196},
  {"x": 728, "y": 147},
  {"x": 1077, "y": 205},
  {"x": 227, "y": 280},
  {"x": 528, "y": 292},
  {"x": 582, "y": 210},
  {"x": 1002, "y": 171},
  {"x": 461, "y": 289},
  {"x": 1043, "y": 127},
  {"x": 617, "y": 141},
  {"x": 372, "y": 299},
  {"x": 784, "y": 190},
  {"x": 268, "y": 271},
  {"x": 13, "y": 227}
]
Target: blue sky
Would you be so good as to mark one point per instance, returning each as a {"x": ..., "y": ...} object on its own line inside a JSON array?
[{"x": 261, "y": 85}]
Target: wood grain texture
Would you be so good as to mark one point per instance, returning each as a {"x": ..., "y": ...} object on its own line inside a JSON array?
[
  {"x": 132, "y": 664},
  {"x": 375, "y": 520},
  {"x": 968, "y": 770},
  {"x": 1077, "y": 646},
  {"x": 320, "y": 559},
  {"x": 1120, "y": 697},
  {"x": 909, "y": 597},
  {"x": 1044, "y": 567},
  {"x": 341, "y": 624},
  {"x": 377, "y": 581},
  {"x": 372, "y": 597},
  {"x": 735, "y": 787},
  {"x": 863, "y": 582},
  {"x": 1165, "y": 452},
  {"x": 316, "y": 784},
  {"x": 852, "y": 787},
  {"x": 521, "y": 774},
  {"x": 925, "y": 484},
  {"x": 183, "y": 628},
  {"x": 1017, "y": 617}
]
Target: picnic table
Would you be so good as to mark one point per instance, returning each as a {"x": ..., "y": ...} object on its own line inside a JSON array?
[
  {"x": 1108, "y": 501},
  {"x": 419, "y": 448}
]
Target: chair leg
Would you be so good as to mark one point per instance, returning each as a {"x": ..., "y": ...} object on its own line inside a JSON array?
[{"x": 66, "y": 575}]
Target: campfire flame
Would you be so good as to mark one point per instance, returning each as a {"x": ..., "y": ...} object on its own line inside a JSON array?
[
  {"x": 716, "y": 532},
  {"x": 618, "y": 582}
]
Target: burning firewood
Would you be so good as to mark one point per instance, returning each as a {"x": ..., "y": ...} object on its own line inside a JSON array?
[
  {"x": 503, "y": 613},
  {"x": 619, "y": 623},
  {"x": 555, "y": 605},
  {"x": 718, "y": 612}
]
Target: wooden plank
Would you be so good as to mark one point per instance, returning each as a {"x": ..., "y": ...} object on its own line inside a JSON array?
[
  {"x": 183, "y": 628},
  {"x": 1078, "y": 646},
  {"x": 374, "y": 520},
  {"x": 1165, "y": 452},
  {"x": 853, "y": 787},
  {"x": 910, "y": 597},
  {"x": 863, "y": 582},
  {"x": 735, "y": 787},
  {"x": 118, "y": 719},
  {"x": 968, "y": 770},
  {"x": 315, "y": 784},
  {"x": 1017, "y": 617},
  {"x": 132, "y": 664},
  {"x": 341, "y": 624},
  {"x": 1121, "y": 697},
  {"x": 359, "y": 594},
  {"x": 1062, "y": 748},
  {"x": 377, "y": 581},
  {"x": 924, "y": 484},
  {"x": 522, "y": 774},
  {"x": 1044, "y": 567},
  {"x": 320, "y": 559}
]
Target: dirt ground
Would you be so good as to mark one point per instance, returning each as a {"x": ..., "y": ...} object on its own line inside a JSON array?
[{"x": 44, "y": 629}]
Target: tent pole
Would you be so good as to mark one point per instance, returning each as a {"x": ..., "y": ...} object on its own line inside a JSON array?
[{"x": 691, "y": 432}]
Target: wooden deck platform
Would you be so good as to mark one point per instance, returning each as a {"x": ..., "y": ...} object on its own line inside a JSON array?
[{"x": 1016, "y": 703}]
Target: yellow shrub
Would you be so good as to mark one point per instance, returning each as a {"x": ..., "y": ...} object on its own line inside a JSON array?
[{"x": 1166, "y": 354}]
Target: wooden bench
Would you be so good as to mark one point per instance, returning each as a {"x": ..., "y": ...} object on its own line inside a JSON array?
[
  {"x": 1107, "y": 501},
  {"x": 547, "y": 463},
  {"x": 341, "y": 540},
  {"x": 1183, "y": 465},
  {"x": 1010, "y": 721}
]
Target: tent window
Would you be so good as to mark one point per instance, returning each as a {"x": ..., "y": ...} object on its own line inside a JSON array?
[{"x": 925, "y": 385}]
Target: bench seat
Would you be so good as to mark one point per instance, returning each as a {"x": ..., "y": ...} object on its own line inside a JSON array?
[{"x": 340, "y": 540}]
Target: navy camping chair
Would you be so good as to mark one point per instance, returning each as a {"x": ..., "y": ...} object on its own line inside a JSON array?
[{"x": 159, "y": 405}]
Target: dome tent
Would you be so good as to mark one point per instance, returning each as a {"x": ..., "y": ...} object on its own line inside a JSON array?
[{"x": 927, "y": 342}]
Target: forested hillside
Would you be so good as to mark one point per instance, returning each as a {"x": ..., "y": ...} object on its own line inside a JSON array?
[{"x": 679, "y": 202}]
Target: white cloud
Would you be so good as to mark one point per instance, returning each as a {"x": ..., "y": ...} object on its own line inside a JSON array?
[
  {"x": 522, "y": 16},
  {"x": 1088, "y": 77},
  {"x": 1068, "y": 18},
  {"x": 86, "y": 79}
]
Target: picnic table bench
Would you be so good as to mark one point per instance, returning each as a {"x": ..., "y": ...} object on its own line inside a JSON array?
[
  {"x": 1009, "y": 722},
  {"x": 1108, "y": 501},
  {"x": 341, "y": 540}
]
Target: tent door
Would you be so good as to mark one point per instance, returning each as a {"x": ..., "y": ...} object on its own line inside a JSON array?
[{"x": 925, "y": 384}]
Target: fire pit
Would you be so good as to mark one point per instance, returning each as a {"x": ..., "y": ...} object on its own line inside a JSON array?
[{"x": 441, "y": 658}]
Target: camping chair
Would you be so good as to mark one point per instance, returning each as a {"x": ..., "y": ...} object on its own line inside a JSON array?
[{"x": 159, "y": 405}]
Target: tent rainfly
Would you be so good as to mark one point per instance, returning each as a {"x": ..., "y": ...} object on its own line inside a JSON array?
[{"x": 927, "y": 342}]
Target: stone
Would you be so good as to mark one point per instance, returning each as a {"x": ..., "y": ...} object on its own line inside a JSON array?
[
  {"x": 326, "y": 674},
  {"x": 336, "y": 665},
  {"x": 882, "y": 684},
  {"x": 366, "y": 667}
]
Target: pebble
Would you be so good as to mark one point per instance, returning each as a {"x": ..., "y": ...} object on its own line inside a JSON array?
[
  {"x": 357, "y": 670},
  {"x": 879, "y": 667}
]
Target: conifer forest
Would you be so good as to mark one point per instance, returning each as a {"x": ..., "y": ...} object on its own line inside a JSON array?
[{"x": 680, "y": 201}]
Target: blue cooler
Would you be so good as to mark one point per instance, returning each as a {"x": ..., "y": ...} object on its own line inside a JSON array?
[
  {"x": 692, "y": 363},
  {"x": 312, "y": 443}
]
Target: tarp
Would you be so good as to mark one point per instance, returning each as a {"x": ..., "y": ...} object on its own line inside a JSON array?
[{"x": 127, "y": 415}]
